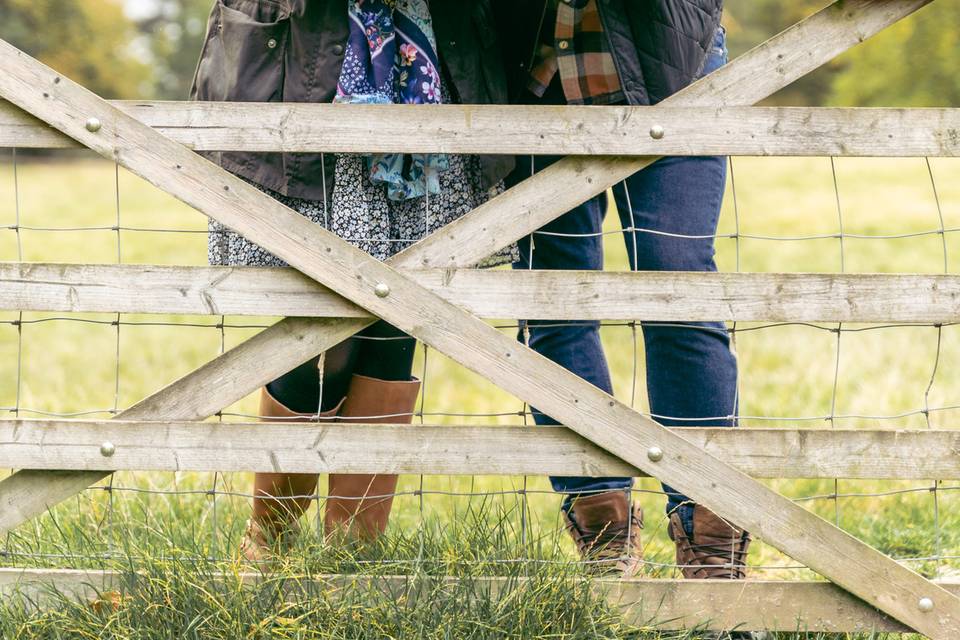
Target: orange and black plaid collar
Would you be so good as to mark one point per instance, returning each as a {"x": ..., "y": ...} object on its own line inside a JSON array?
[{"x": 579, "y": 51}]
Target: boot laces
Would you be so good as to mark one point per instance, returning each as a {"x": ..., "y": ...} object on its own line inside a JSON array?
[{"x": 732, "y": 554}]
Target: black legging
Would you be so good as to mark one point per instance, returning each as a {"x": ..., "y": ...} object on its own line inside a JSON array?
[{"x": 380, "y": 351}]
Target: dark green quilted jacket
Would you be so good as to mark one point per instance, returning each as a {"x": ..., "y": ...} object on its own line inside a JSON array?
[{"x": 659, "y": 46}]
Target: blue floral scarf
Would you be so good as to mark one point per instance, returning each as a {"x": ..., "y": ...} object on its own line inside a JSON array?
[{"x": 391, "y": 58}]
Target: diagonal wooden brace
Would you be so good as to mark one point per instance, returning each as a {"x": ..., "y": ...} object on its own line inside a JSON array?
[
  {"x": 863, "y": 571},
  {"x": 516, "y": 213}
]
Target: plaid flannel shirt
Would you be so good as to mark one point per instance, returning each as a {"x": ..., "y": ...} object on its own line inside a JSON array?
[{"x": 578, "y": 50}]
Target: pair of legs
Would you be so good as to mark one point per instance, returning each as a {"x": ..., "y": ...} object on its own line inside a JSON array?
[
  {"x": 380, "y": 351},
  {"x": 669, "y": 214},
  {"x": 364, "y": 379}
]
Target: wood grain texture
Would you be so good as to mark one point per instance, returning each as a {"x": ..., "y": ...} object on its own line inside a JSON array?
[
  {"x": 554, "y": 130},
  {"x": 469, "y": 341},
  {"x": 664, "y": 604},
  {"x": 548, "y": 295},
  {"x": 177, "y": 445}
]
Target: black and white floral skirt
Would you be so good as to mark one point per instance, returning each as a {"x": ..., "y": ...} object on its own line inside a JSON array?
[{"x": 361, "y": 213}]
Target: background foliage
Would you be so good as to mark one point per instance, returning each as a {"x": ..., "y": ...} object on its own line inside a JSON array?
[
  {"x": 148, "y": 49},
  {"x": 912, "y": 64},
  {"x": 118, "y": 48}
]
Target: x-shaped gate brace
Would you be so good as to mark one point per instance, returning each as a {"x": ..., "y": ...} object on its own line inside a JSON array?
[{"x": 387, "y": 293}]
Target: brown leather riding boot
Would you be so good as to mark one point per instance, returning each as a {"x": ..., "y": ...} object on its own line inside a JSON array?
[
  {"x": 606, "y": 529},
  {"x": 717, "y": 550},
  {"x": 358, "y": 505},
  {"x": 279, "y": 498}
]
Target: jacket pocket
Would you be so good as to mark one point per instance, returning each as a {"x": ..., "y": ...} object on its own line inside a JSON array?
[{"x": 243, "y": 57}]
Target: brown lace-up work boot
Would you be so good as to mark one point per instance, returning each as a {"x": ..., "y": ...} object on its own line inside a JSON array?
[
  {"x": 716, "y": 551},
  {"x": 606, "y": 529}
]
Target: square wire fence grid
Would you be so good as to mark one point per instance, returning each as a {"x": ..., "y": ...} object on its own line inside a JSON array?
[{"x": 811, "y": 214}]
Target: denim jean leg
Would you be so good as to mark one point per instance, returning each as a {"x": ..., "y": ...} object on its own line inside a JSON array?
[
  {"x": 670, "y": 212},
  {"x": 572, "y": 241}
]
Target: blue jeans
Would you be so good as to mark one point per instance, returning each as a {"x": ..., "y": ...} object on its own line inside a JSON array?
[{"x": 674, "y": 205}]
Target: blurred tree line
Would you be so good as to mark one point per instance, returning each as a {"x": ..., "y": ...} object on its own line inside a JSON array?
[
  {"x": 915, "y": 63},
  {"x": 117, "y": 48},
  {"x": 149, "y": 49}
]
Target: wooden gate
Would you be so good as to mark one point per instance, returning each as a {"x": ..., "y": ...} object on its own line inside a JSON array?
[{"x": 430, "y": 292}]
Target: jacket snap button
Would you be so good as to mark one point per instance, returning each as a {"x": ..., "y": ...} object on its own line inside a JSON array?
[
  {"x": 272, "y": 43},
  {"x": 338, "y": 50}
]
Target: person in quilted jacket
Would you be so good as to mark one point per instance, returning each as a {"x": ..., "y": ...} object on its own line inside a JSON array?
[{"x": 636, "y": 52}]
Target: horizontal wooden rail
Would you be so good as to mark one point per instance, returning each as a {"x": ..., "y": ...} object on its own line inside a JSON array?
[
  {"x": 458, "y": 450},
  {"x": 748, "y": 131},
  {"x": 667, "y": 604},
  {"x": 550, "y": 295}
]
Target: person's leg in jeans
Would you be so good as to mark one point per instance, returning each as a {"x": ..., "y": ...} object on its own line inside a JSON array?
[
  {"x": 572, "y": 242},
  {"x": 669, "y": 212},
  {"x": 597, "y": 511}
]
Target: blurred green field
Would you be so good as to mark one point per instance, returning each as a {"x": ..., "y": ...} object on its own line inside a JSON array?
[{"x": 782, "y": 216}]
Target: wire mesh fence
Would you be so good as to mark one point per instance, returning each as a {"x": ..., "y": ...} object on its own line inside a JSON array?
[{"x": 825, "y": 215}]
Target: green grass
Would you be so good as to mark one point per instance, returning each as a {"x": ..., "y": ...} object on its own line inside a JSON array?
[{"x": 167, "y": 525}]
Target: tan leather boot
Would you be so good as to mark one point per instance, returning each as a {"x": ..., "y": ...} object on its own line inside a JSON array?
[
  {"x": 274, "y": 523},
  {"x": 606, "y": 529},
  {"x": 717, "y": 550},
  {"x": 350, "y": 512}
]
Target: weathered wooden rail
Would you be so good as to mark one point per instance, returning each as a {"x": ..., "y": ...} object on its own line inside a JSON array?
[
  {"x": 550, "y": 295},
  {"x": 700, "y": 130},
  {"x": 432, "y": 294},
  {"x": 786, "y": 452}
]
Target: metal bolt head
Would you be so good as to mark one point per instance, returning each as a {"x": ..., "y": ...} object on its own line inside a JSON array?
[
  {"x": 382, "y": 290},
  {"x": 93, "y": 125},
  {"x": 925, "y": 605},
  {"x": 107, "y": 449},
  {"x": 655, "y": 454},
  {"x": 656, "y": 132}
]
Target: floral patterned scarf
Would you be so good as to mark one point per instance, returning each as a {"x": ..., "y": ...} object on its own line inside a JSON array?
[{"x": 391, "y": 58}]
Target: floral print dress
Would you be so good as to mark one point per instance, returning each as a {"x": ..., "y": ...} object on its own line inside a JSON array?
[{"x": 383, "y": 203}]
